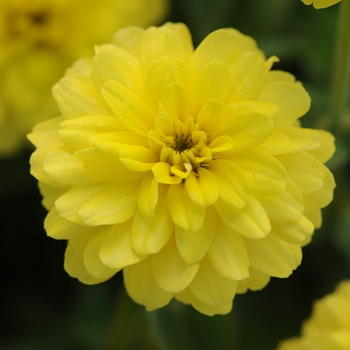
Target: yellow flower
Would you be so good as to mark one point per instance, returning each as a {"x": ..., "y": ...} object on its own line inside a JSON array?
[
  {"x": 329, "y": 325},
  {"x": 320, "y": 4},
  {"x": 39, "y": 39},
  {"x": 187, "y": 169}
]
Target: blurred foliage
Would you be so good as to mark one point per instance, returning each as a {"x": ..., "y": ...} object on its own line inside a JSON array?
[{"x": 43, "y": 308}]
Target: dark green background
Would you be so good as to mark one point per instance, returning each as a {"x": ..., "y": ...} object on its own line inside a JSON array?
[{"x": 43, "y": 308}]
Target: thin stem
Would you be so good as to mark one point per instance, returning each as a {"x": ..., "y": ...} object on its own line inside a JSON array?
[{"x": 341, "y": 77}]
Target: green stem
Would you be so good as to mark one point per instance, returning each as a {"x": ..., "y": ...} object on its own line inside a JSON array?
[{"x": 341, "y": 77}]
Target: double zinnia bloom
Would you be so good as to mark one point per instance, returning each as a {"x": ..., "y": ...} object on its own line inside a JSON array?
[
  {"x": 187, "y": 169},
  {"x": 329, "y": 325},
  {"x": 39, "y": 39}
]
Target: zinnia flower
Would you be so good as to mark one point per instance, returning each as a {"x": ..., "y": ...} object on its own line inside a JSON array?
[
  {"x": 329, "y": 325},
  {"x": 320, "y": 4},
  {"x": 187, "y": 169},
  {"x": 39, "y": 39}
]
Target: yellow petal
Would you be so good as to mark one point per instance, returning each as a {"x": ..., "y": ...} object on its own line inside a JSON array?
[
  {"x": 162, "y": 173},
  {"x": 286, "y": 206},
  {"x": 115, "y": 204},
  {"x": 92, "y": 261},
  {"x": 324, "y": 195},
  {"x": 51, "y": 194},
  {"x": 306, "y": 139},
  {"x": 177, "y": 102},
  {"x": 265, "y": 174},
  {"x": 148, "y": 196},
  {"x": 184, "y": 212},
  {"x": 170, "y": 270},
  {"x": 128, "y": 108},
  {"x": 65, "y": 167},
  {"x": 116, "y": 251},
  {"x": 77, "y": 132},
  {"x": 320, "y": 4},
  {"x": 248, "y": 74},
  {"x": 137, "y": 158},
  {"x": 142, "y": 287},
  {"x": 326, "y": 148},
  {"x": 256, "y": 281},
  {"x": 210, "y": 287},
  {"x": 129, "y": 39},
  {"x": 202, "y": 187},
  {"x": 295, "y": 232},
  {"x": 74, "y": 259},
  {"x": 291, "y": 98},
  {"x": 315, "y": 216},
  {"x": 107, "y": 167},
  {"x": 210, "y": 116},
  {"x": 193, "y": 246},
  {"x": 304, "y": 170},
  {"x": 213, "y": 83},
  {"x": 272, "y": 256},
  {"x": 250, "y": 221},
  {"x": 228, "y": 254},
  {"x": 112, "y": 142},
  {"x": 59, "y": 228},
  {"x": 221, "y": 45},
  {"x": 278, "y": 143},
  {"x": 233, "y": 185},
  {"x": 113, "y": 63}
]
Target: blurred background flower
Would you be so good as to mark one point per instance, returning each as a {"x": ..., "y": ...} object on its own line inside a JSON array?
[
  {"x": 44, "y": 308},
  {"x": 39, "y": 39}
]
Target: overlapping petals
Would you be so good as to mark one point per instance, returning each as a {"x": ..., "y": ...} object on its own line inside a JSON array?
[{"x": 186, "y": 169}]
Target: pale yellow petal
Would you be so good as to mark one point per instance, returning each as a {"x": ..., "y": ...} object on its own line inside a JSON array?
[
  {"x": 147, "y": 197},
  {"x": 128, "y": 108},
  {"x": 148, "y": 236},
  {"x": 264, "y": 173},
  {"x": 51, "y": 194},
  {"x": 304, "y": 170},
  {"x": 177, "y": 102},
  {"x": 92, "y": 261},
  {"x": 137, "y": 158},
  {"x": 65, "y": 167},
  {"x": 286, "y": 206},
  {"x": 306, "y": 139},
  {"x": 326, "y": 149},
  {"x": 59, "y": 228},
  {"x": 279, "y": 75},
  {"x": 213, "y": 83},
  {"x": 184, "y": 212},
  {"x": 202, "y": 187},
  {"x": 113, "y": 63},
  {"x": 314, "y": 215},
  {"x": 257, "y": 280},
  {"x": 193, "y": 246},
  {"x": 170, "y": 270},
  {"x": 116, "y": 251},
  {"x": 162, "y": 173},
  {"x": 210, "y": 287},
  {"x": 291, "y": 98},
  {"x": 142, "y": 287},
  {"x": 250, "y": 221},
  {"x": 273, "y": 256},
  {"x": 228, "y": 254},
  {"x": 233, "y": 185},
  {"x": 74, "y": 259},
  {"x": 129, "y": 39},
  {"x": 247, "y": 130},
  {"x": 210, "y": 116}
]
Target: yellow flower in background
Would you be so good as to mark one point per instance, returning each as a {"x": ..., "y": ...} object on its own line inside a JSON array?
[
  {"x": 320, "y": 4},
  {"x": 329, "y": 325},
  {"x": 187, "y": 169},
  {"x": 39, "y": 39}
]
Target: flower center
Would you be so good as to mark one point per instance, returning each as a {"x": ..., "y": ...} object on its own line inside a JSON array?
[{"x": 182, "y": 143}]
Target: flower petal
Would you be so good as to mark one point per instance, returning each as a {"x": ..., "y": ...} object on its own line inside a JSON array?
[
  {"x": 177, "y": 102},
  {"x": 170, "y": 270},
  {"x": 233, "y": 185},
  {"x": 162, "y": 173},
  {"x": 184, "y": 212},
  {"x": 137, "y": 158},
  {"x": 148, "y": 196},
  {"x": 210, "y": 116},
  {"x": 257, "y": 280},
  {"x": 116, "y": 251},
  {"x": 74, "y": 259},
  {"x": 142, "y": 287},
  {"x": 250, "y": 221},
  {"x": 272, "y": 256},
  {"x": 202, "y": 187},
  {"x": 92, "y": 261},
  {"x": 228, "y": 255},
  {"x": 129, "y": 108},
  {"x": 291, "y": 98},
  {"x": 148, "y": 236},
  {"x": 210, "y": 287},
  {"x": 193, "y": 246}
]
